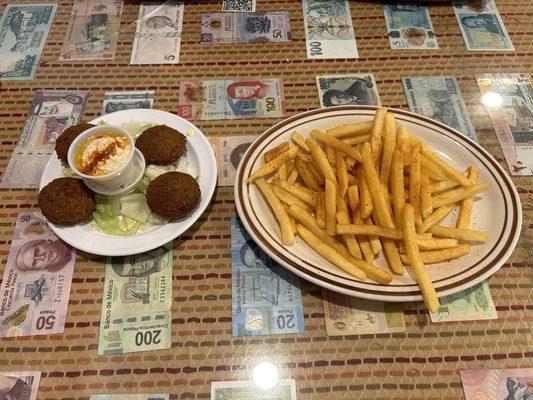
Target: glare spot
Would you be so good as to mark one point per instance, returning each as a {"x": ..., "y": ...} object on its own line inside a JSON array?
[
  {"x": 265, "y": 375},
  {"x": 492, "y": 99}
]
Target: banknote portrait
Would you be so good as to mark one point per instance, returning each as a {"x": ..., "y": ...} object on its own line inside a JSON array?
[
  {"x": 253, "y": 257},
  {"x": 141, "y": 265},
  {"x": 43, "y": 254},
  {"x": 484, "y": 22},
  {"x": 237, "y": 153},
  {"x": 519, "y": 388},
  {"x": 247, "y": 90},
  {"x": 14, "y": 388},
  {"x": 158, "y": 22},
  {"x": 360, "y": 92}
]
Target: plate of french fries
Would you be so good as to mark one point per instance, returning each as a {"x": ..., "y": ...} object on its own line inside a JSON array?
[{"x": 378, "y": 203}]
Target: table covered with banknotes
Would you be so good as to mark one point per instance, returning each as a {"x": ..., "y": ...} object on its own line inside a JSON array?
[{"x": 209, "y": 314}]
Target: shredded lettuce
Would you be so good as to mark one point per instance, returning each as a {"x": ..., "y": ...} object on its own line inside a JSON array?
[
  {"x": 134, "y": 206},
  {"x": 117, "y": 226},
  {"x": 135, "y": 128},
  {"x": 109, "y": 206}
]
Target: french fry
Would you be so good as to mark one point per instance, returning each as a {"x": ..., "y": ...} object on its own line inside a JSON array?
[
  {"x": 381, "y": 208},
  {"x": 293, "y": 223},
  {"x": 468, "y": 235},
  {"x": 306, "y": 175},
  {"x": 287, "y": 198},
  {"x": 465, "y": 208},
  {"x": 298, "y": 192},
  {"x": 438, "y": 215},
  {"x": 366, "y": 199},
  {"x": 388, "y": 148},
  {"x": 336, "y": 144},
  {"x": 274, "y": 164},
  {"x": 283, "y": 171},
  {"x": 287, "y": 233},
  {"x": 300, "y": 141},
  {"x": 352, "y": 141},
  {"x": 364, "y": 244},
  {"x": 320, "y": 210},
  {"x": 276, "y": 151},
  {"x": 402, "y": 140},
  {"x": 426, "y": 206},
  {"x": 342, "y": 173},
  {"x": 319, "y": 158},
  {"x": 376, "y": 135},
  {"x": 329, "y": 253},
  {"x": 353, "y": 197},
  {"x": 374, "y": 230},
  {"x": 449, "y": 171},
  {"x": 441, "y": 186},
  {"x": 331, "y": 207},
  {"x": 397, "y": 186},
  {"x": 414, "y": 181},
  {"x": 330, "y": 154},
  {"x": 436, "y": 256},
  {"x": 350, "y": 130},
  {"x": 314, "y": 170},
  {"x": 293, "y": 175},
  {"x": 436, "y": 244},
  {"x": 374, "y": 240},
  {"x": 433, "y": 170},
  {"x": 455, "y": 195},
  {"x": 352, "y": 180},
  {"x": 349, "y": 240},
  {"x": 426, "y": 286},
  {"x": 350, "y": 163}
]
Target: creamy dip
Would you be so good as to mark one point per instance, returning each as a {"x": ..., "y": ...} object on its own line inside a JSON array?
[{"x": 102, "y": 154}]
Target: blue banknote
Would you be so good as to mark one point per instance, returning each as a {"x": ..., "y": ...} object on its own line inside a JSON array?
[
  {"x": 482, "y": 26},
  {"x": 23, "y": 32},
  {"x": 266, "y": 297},
  {"x": 409, "y": 26},
  {"x": 440, "y": 98}
]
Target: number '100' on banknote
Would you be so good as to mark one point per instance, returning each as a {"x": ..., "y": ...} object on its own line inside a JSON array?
[
  {"x": 329, "y": 30},
  {"x": 23, "y": 32},
  {"x": 498, "y": 384},
  {"x": 266, "y": 298}
]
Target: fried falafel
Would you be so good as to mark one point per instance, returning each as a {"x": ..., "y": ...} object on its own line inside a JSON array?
[
  {"x": 64, "y": 140},
  {"x": 66, "y": 201},
  {"x": 173, "y": 195},
  {"x": 161, "y": 145}
]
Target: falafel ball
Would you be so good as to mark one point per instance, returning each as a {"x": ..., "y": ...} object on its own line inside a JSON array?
[
  {"x": 66, "y": 201},
  {"x": 161, "y": 145},
  {"x": 173, "y": 195},
  {"x": 64, "y": 140}
]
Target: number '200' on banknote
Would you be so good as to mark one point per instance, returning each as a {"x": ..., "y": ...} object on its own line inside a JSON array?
[
  {"x": 329, "y": 30},
  {"x": 409, "y": 26},
  {"x": 23, "y": 32}
]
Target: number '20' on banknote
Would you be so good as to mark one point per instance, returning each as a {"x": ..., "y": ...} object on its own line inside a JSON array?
[
  {"x": 409, "y": 26},
  {"x": 36, "y": 284},
  {"x": 23, "y": 32},
  {"x": 329, "y": 30},
  {"x": 231, "y": 99},
  {"x": 266, "y": 297},
  {"x": 341, "y": 90},
  {"x": 497, "y": 384},
  {"x": 19, "y": 385},
  {"x": 246, "y": 27},
  {"x": 481, "y": 26},
  {"x": 440, "y": 98}
]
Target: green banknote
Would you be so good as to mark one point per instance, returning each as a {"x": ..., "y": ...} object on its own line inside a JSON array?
[{"x": 137, "y": 301}]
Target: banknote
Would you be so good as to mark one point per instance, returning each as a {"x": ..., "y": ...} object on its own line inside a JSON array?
[
  {"x": 246, "y": 27},
  {"x": 440, "y": 98},
  {"x": 329, "y": 31},
  {"x": 36, "y": 285},
  {"x": 229, "y": 151},
  {"x": 266, "y": 297},
  {"x": 508, "y": 99},
  {"x": 129, "y": 397},
  {"x": 481, "y": 26},
  {"x": 117, "y": 101},
  {"x": 23, "y": 32},
  {"x": 497, "y": 384},
  {"x": 158, "y": 34},
  {"x": 285, "y": 389},
  {"x": 92, "y": 32},
  {"x": 468, "y": 305},
  {"x": 238, "y": 5},
  {"x": 136, "y": 303},
  {"x": 345, "y": 315},
  {"x": 340, "y": 90},
  {"x": 51, "y": 112},
  {"x": 409, "y": 26},
  {"x": 231, "y": 99},
  {"x": 19, "y": 385}
]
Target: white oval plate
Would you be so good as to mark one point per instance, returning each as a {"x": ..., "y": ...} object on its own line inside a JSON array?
[
  {"x": 496, "y": 211},
  {"x": 202, "y": 163}
]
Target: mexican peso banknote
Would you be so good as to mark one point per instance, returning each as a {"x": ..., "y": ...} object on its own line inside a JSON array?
[
  {"x": 36, "y": 284},
  {"x": 137, "y": 302},
  {"x": 23, "y": 32},
  {"x": 409, "y": 26},
  {"x": 118, "y": 101},
  {"x": 129, "y": 397},
  {"x": 329, "y": 30},
  {"x": 231, "y": 99},
  {"x": 92, "y": 32},
  {"x": 497, "y": 384},
  {"x": 508, "y": 99},
  {"x": 246, "y": 27},
  {"x": 229, "y": 151},
  {"x": 19, "y": 385},
  {"x": 341, "y": 90},
  {"x": 440, "y": 98},
  {"x": 285, "y": 389},
  {"x": 158, "y": 34},
  {"x": 266, "y": 298}
]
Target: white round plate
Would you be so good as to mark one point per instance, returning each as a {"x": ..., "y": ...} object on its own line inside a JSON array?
[
  {"x": 496, "y": 211},
  {"x": 202, "y": 163}
]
